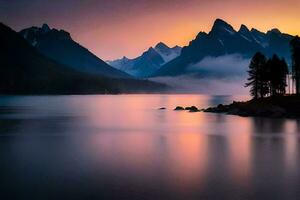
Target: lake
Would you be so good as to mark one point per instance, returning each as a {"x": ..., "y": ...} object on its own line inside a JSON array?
[{"x": 123, "y": 147}]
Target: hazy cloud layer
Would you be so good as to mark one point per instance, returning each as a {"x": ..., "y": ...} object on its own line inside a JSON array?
[
  {"x": 226, "y": 65},
  {"x": 223, "y": 75}
]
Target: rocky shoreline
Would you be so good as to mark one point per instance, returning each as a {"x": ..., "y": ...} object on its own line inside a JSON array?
[{"x": 273, "y": 107}]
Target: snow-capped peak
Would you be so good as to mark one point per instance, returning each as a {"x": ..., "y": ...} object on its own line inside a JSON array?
[{"x": 166, "y": 52}]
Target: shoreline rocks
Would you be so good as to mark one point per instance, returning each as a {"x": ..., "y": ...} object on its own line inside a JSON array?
[
  {"x": 190, "y": 109},
  {"x": 272, "y": 107},
  {"x": 179, "y": 108}
]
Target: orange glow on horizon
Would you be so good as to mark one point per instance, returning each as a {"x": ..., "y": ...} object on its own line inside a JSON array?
[
  {"x": 112, "y": 28},
  {"x": 178, "y": 27}
]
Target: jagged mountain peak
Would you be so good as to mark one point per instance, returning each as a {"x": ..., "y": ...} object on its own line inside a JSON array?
[
  {"x": 253, "y": 30},
  {"x": 274, "y": 30},
  {"x": 34, "y": 33},
  {"x": 244, "y": 29},
  {"x": 162, "y": 48},
  {"x": 224, "y": 40},
  {"x": 201, "y": 34},
  {"x": 220, "y": 22},
  {"x": 245, "y": 33},
  {"x": 58, "y": 45},
  {"x": 161, "y": 45},
  {"x": 177, "y": 49},
  {"x": 166, "y": 52},
  {"x": 46, "y": 28},
  {"x": 150, "y": 60},
  {"x": 221, "y": 25},
  {"x": 151, "y": 50}
]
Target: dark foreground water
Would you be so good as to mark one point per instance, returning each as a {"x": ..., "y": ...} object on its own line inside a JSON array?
[{"x": 122, "y": 147}]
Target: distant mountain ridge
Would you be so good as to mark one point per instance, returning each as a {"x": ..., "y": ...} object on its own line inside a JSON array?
[
  {"x": 224, "y": 40},
  {"x": 24, "y": 70},
  {"x": 59, "y": 46},
  {"x": 149, "y": 62}
]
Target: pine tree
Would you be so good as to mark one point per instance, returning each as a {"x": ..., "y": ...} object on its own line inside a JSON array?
[
  {"x": 257, "y": 77},
  {"x": 277, "y": 75},
  {"x": 295, "y": 47},
  {"x": 284, "y": 71}
]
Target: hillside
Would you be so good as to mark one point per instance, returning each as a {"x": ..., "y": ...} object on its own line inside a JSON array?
[
  {"x": 23, "y": 70},
  {"x": 59, "y": 46}
]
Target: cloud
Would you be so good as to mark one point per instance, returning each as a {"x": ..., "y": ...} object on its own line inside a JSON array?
[
  {"x": 210, "y": 86},
  {"x": 223, "y": 75},
  {"x": 225, "y": 66}
]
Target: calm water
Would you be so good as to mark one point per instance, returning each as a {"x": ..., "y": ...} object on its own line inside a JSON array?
[{"x": 123, "y": 147}]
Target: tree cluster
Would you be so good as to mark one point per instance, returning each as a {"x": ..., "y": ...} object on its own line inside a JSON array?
[
  {"x": 267, "y": 77},
  {"x": 295, "y": 47}
]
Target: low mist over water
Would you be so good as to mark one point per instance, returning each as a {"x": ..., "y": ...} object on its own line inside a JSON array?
[{"x": 209, "y": 86}]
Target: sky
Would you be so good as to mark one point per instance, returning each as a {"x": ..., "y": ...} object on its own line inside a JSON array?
[{"x": 116, "y": 28}]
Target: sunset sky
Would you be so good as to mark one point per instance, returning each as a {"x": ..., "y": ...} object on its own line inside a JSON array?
[{"x": 114, "y": 28}]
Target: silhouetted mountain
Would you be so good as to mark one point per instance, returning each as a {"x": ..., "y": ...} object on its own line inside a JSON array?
[
  {"x": 23, "y": 70},
  {"x": 224, "y": 40},
  {"x": 149, "y": 62},
  {"x": 59, "y": 46}
]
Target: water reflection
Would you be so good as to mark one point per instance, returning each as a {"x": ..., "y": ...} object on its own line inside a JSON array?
[{"x": 122, "y": 147}]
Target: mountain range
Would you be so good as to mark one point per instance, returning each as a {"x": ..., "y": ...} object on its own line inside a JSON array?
[
  {"x": 25, "y": 70},
  {"x": 59, "y": 46},
  {"x": 222, "y": 40},
  {"x": 44, "y": 60},
  {"x": 149, "y": 62}
]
